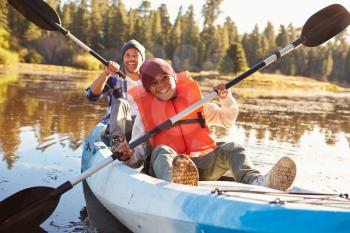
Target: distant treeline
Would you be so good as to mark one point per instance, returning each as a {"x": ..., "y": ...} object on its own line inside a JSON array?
[{"x": 105, "y": 25}]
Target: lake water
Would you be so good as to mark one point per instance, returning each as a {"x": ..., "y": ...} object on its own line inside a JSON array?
[{"x": 45, "y": 119}]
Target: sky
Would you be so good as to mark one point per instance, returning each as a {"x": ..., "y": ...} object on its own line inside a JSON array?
[{"x": 247, "y": 13}]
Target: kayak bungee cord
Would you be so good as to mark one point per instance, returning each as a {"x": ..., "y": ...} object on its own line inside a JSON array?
[{"x": 303, "y": 197}]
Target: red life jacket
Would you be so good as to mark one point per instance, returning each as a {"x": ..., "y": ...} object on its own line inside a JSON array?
[{"x": 185, "y": 138}]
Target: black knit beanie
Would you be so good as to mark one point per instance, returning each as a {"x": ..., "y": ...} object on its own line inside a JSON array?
[{"x": 135, "y": 45}]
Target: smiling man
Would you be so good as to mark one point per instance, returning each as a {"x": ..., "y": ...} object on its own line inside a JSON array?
[{"x": 110, "y": 85}]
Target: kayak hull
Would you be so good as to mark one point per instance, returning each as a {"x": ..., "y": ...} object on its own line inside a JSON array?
[{"x": 146, "y": 204}]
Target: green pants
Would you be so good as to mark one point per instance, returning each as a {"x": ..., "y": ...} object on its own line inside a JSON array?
[{"x": 212, "y": 166}]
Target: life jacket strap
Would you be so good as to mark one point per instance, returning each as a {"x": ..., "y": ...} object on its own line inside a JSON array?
[{"x": 200, "y": 120}]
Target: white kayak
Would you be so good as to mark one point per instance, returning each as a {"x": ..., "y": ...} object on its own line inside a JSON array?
[{"x": 146, "y": 204}]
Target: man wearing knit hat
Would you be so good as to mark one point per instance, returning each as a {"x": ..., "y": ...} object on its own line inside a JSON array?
[{"x": 110, "y": 85}]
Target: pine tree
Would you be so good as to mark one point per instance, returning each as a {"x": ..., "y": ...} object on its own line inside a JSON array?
[
  {"x": 144, "y": 9},
  {"x": 119, "y": 24},
  {"x": 246, "y": 46},
  {"x": 145, "y": 13},
  {"x": 254, "y": 51},
  {"x": 115, "y": 24},
  {"x": 312, "y": 62},
  {"x": 270, "y": 36},
  {"x": 190, "y": 30},
  {"x": 81, "y": 23},
  {"x": 185, "y": 55},
  {"x": 234, "y": 59},
  {"x": 165, "y": 26},
  {"x": 239, "y": 61},
  {"x": 175, "y": 35},
  {"x": 96, "y": 21},
  {"x": 156, "y": 35},
  {"x": 340, "y": 48},
  {"x": 69, "y": 9},
  {"x": 210, "y": 12},
  {"x": 326, "y": 65},
  {"x": 137, "y": 33},
  {"x": 224, "y": 40},
  {"x": 301, "y": 61},
  {"x": 231, "y": 30},
  {"x": 282, "y": 37},
  {"x": 210, "y": 37}
]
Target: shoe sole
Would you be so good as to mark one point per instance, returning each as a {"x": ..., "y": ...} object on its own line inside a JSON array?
[
  {"x": 282, "y": 174},
  {"x": 184, "y": 171}
]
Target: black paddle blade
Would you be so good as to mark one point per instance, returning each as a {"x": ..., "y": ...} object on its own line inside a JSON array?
[
  {"x": 325, "y": 24},
  {"x": 27, "y": 208},
  {"x": 38, "y": 12}
]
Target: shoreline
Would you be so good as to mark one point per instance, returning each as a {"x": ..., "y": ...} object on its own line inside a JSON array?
[
  {"x": 256, "y": 86},
  {"x": 44, "y": 69}
]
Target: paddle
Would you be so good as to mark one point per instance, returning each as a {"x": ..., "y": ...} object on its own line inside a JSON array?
[
  {"x": 34, "y": 205},
  {"x": 43, "y": 16}
]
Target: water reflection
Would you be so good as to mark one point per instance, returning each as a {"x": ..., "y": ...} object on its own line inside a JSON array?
[
  {"x": 53, "y": 108},
  {"x": 293, "y": 126},
  {"x": 288, "y": 120}
]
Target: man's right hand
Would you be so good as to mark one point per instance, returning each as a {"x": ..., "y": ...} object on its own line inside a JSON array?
[{"x": 112, "y": 68}]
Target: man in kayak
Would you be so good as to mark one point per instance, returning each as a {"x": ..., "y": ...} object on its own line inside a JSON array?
[
  {"x": 186, "y": 153},
  {"x": 110, "y": 85}
]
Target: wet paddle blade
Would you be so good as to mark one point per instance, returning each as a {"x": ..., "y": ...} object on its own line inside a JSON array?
[
  {"x": 324, "y": 25},
  {"x": 27, "y": 208},
  {"x": 38, "y": 12}
]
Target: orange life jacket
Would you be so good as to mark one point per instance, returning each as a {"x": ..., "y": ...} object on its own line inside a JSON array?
[{"x": 185, "y": 138}]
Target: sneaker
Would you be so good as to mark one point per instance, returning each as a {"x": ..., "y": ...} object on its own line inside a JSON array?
[
  {"x": 280, "y": 177},
  {"x": 184, "y": 171}
]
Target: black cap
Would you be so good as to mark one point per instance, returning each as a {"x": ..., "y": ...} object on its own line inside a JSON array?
[{"x": 135, "y": 45}]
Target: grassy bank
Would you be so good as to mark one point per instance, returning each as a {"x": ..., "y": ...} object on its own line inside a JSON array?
[
  {"x": 261, "y": 84},
  {"x": 258, "y": 84},
  {"x": 42, "y": 69}
]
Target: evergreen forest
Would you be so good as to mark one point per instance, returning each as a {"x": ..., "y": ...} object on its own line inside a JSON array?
[{"x": 105, "y": 25}]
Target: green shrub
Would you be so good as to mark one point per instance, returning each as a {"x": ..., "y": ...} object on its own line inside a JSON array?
[
  {"x": 8, "y": 57},
  {"x": 86, "y": 61}
]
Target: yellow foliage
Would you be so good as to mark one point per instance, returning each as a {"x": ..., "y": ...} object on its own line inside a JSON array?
[
  {"x": 8, "y": 57},
  {"x": 4, "y": 39},
  {"x": 86, "y": 61}
]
